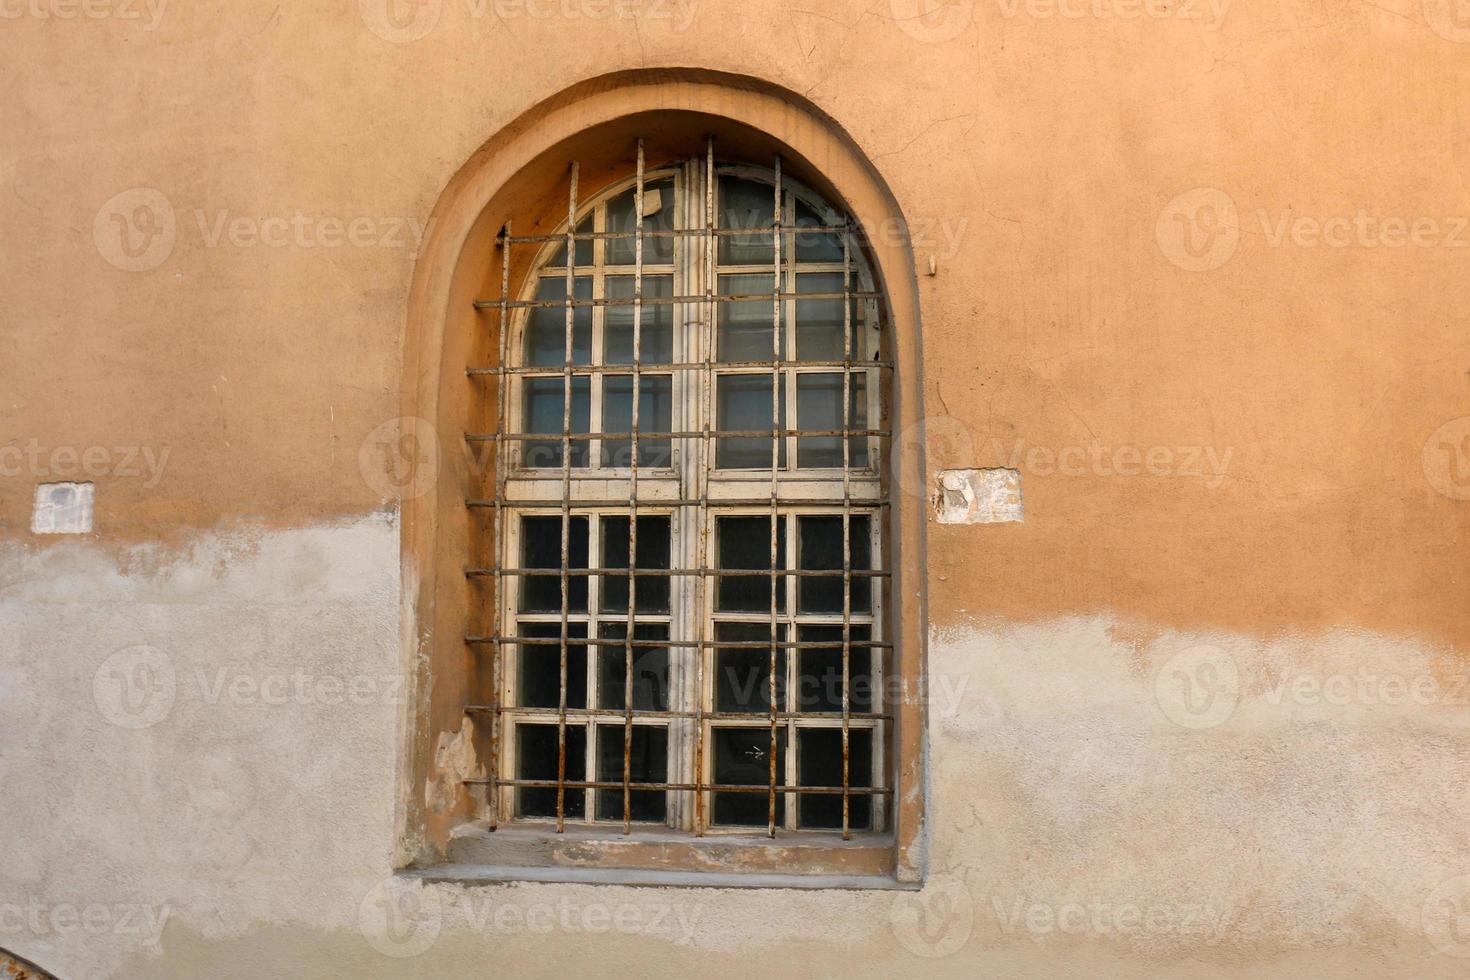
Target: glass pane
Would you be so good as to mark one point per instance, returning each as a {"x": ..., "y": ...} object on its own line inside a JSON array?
[
  {"x": 541, "y": 548},
  {"x": 819, "y": 409},
  {"x": 584, "y": 246},
  {"x": 743, "y": 676},
  {"x": 655, "y": 414},
  {"x": 817, "y": 246},
  {"x": 820, "y": 547},
  {"x": 650, "y": 668},
  {"x": 819, "y": 681},
  {"x": 652, "y": 595},
  {"x": 648, "y": 762},
  {"x": 749, "y": 205},
  {"x": 658, "y": 215},
  {"x": 745, "y": 325},
  {"x": 743, "y": 404},
  {"x": 536, "y": 756},
  {"x": 745, "y": 543},
  {"x": 544, "y": 408},
  {"x": 742, "y": 758},
  {"x": 819, "y": 321},
  {"x": 819, "y": 763},
  {"x": 656, "y": 337},
  {"x": 540, "y": 666},
  {"x": 546, "y": 330}
]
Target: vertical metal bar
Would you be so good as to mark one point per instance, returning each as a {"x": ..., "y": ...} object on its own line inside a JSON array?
[
  {"x": 633, "y": 511},
  {"x": 705, "y": 603},
  {"x": 775, "y": 469},
  {"x": 566, "y": 504},
  {"x": 499, "y": 584},
  {"x": 846, "y": 523}
]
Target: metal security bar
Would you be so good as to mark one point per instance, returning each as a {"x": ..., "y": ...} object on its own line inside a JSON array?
[{"x": 662, "y": 438}]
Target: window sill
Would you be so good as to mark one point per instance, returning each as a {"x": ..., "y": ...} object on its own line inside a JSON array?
[{"x": 659, "y": 858}]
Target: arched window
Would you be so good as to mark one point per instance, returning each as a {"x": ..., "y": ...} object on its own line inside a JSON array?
[{"x": 688, "y": 507}]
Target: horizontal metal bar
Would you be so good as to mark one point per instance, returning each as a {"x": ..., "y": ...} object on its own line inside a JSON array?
[
  {"x": 647, "y": 367},
  {"x": 618, "y": 715},
  {"x": 858, "y": 505},
  {"x": 686, "y": 434},
  {"x": 595, "y": 641},
  {"x": 655, "y": 787},
  {"x": 588, "y": 236},
  {"x": 561, "y": 304},
  {"x": 679, "y": 572}
]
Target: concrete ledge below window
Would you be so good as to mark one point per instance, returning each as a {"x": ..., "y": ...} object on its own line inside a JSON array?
[
  {"x": 470, "y": 874},
  {"x": 661, "y": 858}
]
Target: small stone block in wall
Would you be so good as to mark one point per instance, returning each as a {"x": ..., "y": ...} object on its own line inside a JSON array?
[
  {"x": 988, "y": 496},
  {"x": 62, "y": 508}
]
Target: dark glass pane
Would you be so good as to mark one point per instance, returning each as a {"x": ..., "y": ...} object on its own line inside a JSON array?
[
  {"x": 820, "y": 548},
  {"x": 541, "y": 548},
  {"x": 544, "y": 413},
  {"x": 536, "y": 754},
  {"x": 745, "y": 325},
  {"x": 745, "y": 543},
  {"x": 652, "y": 591},
  {"x": 648, "y": 762},
  {"x": 819, "y": 763},
  {"x": 744, "y": 405},
  {"x": 650, "y": 668},
  {"x": 819, "y": 409},
  {"x": 743, "y": 676},
  {"x": 742, "y": 758},
  {"x": 819, "y": 321},
  {"x": 656, "y": 338},
  {"x": 655, "y": 414},
  {"x": 813, "y": 245},
  {"x": 584, "y": 246},
  {"x": 748, "y": 205},
  {"x": 540, "y": 666},
  {"x": 819, "y": 683},
  {"x": 658, "y": 215},
  {"x": 546, "y": 330}
]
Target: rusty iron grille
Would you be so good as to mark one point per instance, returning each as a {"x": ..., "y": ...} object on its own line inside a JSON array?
[{"x": 687, "y": 627}]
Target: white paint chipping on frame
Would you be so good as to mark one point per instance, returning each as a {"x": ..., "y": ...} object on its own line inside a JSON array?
[
  {"x": 986, "y": 496},
  {"x": 62, "y": 508}
]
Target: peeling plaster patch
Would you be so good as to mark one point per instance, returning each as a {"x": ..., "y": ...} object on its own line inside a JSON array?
[
  {"x": 988, "y": 496},
  {"x": 62, "y": 508},
  {"x": 454, "y": 762}
]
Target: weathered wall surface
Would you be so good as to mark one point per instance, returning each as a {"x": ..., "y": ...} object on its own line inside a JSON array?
[{"x": 1200, "y": 280}]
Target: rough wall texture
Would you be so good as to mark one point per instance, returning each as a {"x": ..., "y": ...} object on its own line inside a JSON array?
[{"x": 1199, "y": 279}]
